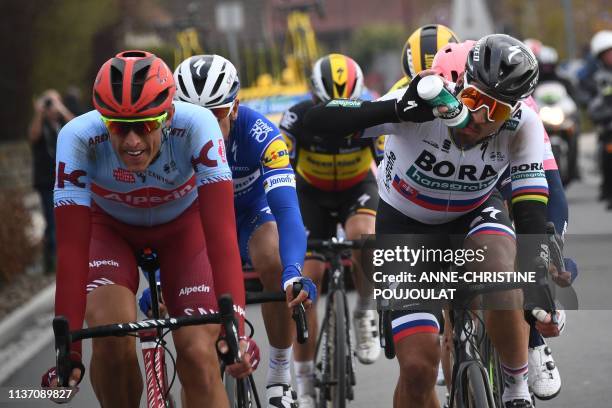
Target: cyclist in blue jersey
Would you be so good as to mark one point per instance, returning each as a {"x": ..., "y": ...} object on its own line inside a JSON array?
[{"x": 271, "y": 233}]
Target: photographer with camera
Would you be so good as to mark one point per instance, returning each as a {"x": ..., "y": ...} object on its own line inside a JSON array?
[{"x": 50, "y": 115}]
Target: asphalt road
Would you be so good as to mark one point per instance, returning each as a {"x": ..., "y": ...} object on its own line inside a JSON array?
[{"x": 582, "y": 354}]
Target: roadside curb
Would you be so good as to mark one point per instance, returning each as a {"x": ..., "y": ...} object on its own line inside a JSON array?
[
  {"x": 25, "y": 332},
  {"x": 11, "y": 326}
]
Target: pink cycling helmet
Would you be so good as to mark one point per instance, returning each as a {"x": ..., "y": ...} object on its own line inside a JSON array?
[{"x": 450, "y": 60}]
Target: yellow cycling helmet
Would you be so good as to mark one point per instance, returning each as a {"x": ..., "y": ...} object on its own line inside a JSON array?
[{"x": 422, "y": 45}]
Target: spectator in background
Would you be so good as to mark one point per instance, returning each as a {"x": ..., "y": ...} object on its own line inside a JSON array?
[
  {"x": 72, "y": 100},
  {"x": 50, "y": 114},
  {"x": 600, "y": 106}
]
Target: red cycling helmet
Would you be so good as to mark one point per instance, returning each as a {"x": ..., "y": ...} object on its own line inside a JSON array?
[{"x": 133, "y": 84}]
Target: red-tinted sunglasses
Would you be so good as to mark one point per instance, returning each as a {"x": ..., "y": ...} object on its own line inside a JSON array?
[{"x": 141, "y": 126}]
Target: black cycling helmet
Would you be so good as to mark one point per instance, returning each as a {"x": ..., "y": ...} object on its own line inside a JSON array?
[{"x": 503, "y": 67}]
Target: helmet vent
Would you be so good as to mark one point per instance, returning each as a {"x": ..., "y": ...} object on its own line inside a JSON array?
[
  {"x": 116, "y": 78},
  {"x": 183, "y": 87},
  {"x": 487, "y": 58},
  {"x": 217, "y": 84},
  {"x": 133, "y": 54},
  {"x": 198, "y": 83},
  {"x": 213, "y": 101},
  {"x": 161, "y": 97},
  {"x": 100, "y": 102},
  {"x": 138, "y": 79}
]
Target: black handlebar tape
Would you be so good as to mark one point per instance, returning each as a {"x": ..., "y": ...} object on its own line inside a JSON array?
[{"x": 61, "y": 330}]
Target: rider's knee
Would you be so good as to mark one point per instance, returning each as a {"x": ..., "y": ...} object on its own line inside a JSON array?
[
  {"x": 114, "y": 352},
  {"x": 418, "y": 373},
  {"x": 269, "y": 268},
  {"x": 200, "y": 364},
  {"x": 499, "y": 253},
  {"x": 358, "y": 225}
]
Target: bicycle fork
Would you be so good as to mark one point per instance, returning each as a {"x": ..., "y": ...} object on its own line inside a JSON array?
[{"x": 156, "y": 377}]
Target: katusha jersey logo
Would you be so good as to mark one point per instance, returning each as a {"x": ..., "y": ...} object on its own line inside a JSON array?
[
  {"x": 123, "y": 175},
  {"x": 146, "y": 197},
  {"x": 203, "y": 157},
  {"x": 222, "y": 150},
  {"x": 98, "y": 139},
  {"x": 72, "y": 177},
  {"x": 276, "y": 155}
]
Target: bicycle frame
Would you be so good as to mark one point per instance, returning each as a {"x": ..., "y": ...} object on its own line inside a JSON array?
[
  {"x": 154, "y": 356},
  {"x": 336, "y": 287}
]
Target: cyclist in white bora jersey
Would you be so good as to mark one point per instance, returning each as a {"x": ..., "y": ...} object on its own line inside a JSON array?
[{"x": 440, "y": 181}]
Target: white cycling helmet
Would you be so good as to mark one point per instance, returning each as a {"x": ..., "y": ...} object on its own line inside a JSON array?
[
  {"x": 601, "y": 42},
  {"x": 207, "y": 80},
  {"x": 548, "y": 55}
]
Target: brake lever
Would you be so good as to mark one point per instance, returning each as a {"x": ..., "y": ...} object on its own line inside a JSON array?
[{"x": 299, "y": 316}]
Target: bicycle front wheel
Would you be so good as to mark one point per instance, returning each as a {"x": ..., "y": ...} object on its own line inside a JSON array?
[
  {"x": 339, "y": 358},
  {"x": 238, "y": 392},
  {"x": 495, "y": 374},
  {"x": 475, "y": 389}
]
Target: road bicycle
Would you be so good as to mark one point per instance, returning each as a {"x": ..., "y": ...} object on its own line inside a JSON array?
[
  {"x": 151, "y": 333},
  {"x": 335, "y": 363}
]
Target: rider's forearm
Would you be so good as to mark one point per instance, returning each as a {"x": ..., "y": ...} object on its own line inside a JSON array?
[
  {"x": 216, "y": 201},
  {"x": 530, "y": 220},
  {"x": 557, "y": 209},
  {"x": 73, "y": 229},
  {"x": 283, "y": 202},
  {"x": 342, "y": 117}
]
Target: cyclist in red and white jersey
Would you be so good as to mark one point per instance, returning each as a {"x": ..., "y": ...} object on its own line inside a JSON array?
[{"x": 143, "y": 171}]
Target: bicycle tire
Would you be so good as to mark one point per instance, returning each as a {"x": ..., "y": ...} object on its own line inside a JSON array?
[
  {"x": 231, "y": 388},
  {"x": 476, "y": 391},
  {"x": 493, "y": 367},
  {"x": 339, "y": 390},
  {"x": 324, "y": 348}
]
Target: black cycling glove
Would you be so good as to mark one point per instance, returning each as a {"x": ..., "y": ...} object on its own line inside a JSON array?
[{"x": 413, "y": 108}]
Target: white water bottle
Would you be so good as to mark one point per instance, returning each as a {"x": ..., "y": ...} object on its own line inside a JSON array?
[{"x": 431, "y": 89}]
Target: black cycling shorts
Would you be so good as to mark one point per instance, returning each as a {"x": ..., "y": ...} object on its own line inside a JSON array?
[
  {"x": 323, "y": 210},
  {"x": 491, "y": 217}
]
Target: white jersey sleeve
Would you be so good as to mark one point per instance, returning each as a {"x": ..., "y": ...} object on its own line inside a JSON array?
[{"x": 526, "y": 151}]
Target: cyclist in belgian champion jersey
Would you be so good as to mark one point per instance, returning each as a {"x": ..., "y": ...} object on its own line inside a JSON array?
[
  {"x": 421, "y": 152},
  {"x": 335, "y": 184},
  {"x": 143, "y": 171},
  {"x": 271, "y": 234}
]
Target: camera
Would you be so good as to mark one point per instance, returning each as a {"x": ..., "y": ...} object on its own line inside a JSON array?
[{"x": 48, "y": 102}]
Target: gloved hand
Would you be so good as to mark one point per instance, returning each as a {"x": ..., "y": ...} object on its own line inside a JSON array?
[
  {"x": 413, "y": 108},
  {"x": 249, "y": 355},
  {"x": 545, "y": 325},
  {"x": 291, "y": 275},
  {"x": 49, "y": 378}
]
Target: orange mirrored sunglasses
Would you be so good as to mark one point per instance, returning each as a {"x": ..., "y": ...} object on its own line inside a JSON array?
[{"x": 474, "y": 99}]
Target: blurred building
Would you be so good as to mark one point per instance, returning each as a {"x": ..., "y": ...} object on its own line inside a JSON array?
[{"x": 265, "y": 21}]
